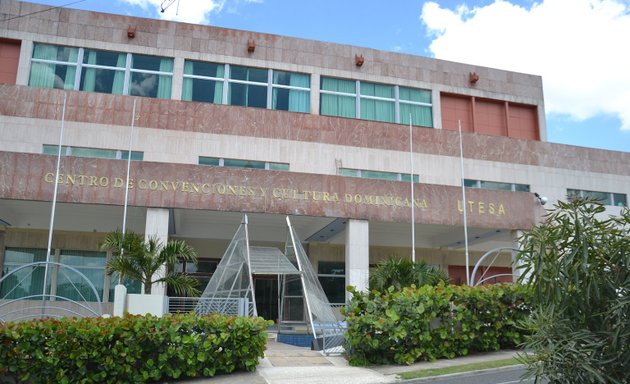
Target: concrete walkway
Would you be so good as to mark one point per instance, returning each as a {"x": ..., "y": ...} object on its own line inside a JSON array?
[{"x": 287, "y": 364}]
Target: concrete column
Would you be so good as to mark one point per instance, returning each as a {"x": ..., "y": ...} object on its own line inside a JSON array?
[
  {"x": 315, "y": 93},
  {"x": 436, "y": 109},
  {"x": 24, "y": 63},
  {"x": 357, "y": 254},
  {"x": 157, "y": 225},
  {"x": 178, "y": 79}
]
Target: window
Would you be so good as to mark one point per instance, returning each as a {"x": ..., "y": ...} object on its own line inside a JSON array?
[
  {"x": 606, "y": 198},
  {"x": 379, "y": 175},
  {"x": 91, "y": 265},
  {"x": 244, "y": 86},
  {"x": 291, "y": 92},
  {"x": 92, "y": 152},
  {"x": 332, "y": 277},
  {"x": 496, "y": 185},
  {"x": 26, "y": 282},
  {"x": 375, "y": 102},
  {"x": 237, "y": 163},
  {"x": 65, "y": 282},
  {"x": 248, "y": 87},
  {"x": 203, "y": 82},
  {"x": 101, "y": 71},
  {"x": 202, "y": 272}
]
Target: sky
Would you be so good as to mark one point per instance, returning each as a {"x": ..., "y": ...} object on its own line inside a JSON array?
[{"x": 579, "y": 47}]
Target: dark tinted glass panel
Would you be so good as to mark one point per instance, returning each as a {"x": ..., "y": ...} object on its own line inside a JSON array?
[
  {"x": 110, "y": 59},
  {"x": 334, "y": 287},
  {"x": 331, "y": 268},
  {"x": 151, "y": 63},
  {"x": 200, "y": 68},
  {"x": 248, "y": 95},
  {"x": 248, "y": 74}
]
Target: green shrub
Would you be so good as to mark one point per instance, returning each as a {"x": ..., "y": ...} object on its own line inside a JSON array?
[
  {"x": 432, "y": 322},
  {"x": 131, "y": 349}
]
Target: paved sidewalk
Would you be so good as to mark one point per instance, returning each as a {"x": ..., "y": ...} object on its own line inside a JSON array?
[{"x": 287, "y": 364}]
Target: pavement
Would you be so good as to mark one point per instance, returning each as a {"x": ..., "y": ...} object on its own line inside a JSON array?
[{"x": 288, "y": 364}]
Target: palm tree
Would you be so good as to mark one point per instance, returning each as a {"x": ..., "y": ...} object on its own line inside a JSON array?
[
  {"x": 400, "y": 273},
  {"x": 137, "y": 259}
]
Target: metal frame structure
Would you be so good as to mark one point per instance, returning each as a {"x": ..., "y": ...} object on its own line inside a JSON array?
[{"x": 48, "y": 305}]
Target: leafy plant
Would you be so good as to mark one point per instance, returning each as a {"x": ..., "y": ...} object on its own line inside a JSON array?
[
  {"x": 578, "y": 266},
  {"x": 432, "y": 322},
  {"x": 133, "y": 349},
  {"x": 141, "y": 260},
  {"x": 400, "y": 273}
]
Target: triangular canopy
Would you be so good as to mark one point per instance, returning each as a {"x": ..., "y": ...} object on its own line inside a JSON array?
[
  {"x": 231, "y": 289},
  {"x": 270, "y": 261}
]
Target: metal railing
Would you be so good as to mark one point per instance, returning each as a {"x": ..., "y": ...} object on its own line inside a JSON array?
[{"x": 206, "y": 305}]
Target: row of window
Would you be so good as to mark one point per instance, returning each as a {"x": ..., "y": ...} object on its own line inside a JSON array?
[
  {"x": 62, "y": 282},
  {"x": 606, "y": 198},
  {"x": 378, "y": 175},
  {"x": 238, "y": 163},
  {"x": 133, "y": 74},
  {"x": 499, "y": 186},
  {"x": 376, "y": 102},
  {"x": 96, "y": 153}
]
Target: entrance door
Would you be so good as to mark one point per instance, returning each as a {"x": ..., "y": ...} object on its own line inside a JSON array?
[{"x": 266, "y": 291}]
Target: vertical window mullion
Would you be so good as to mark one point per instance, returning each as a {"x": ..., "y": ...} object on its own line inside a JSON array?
[
  {"x": 358, "y": 100},
  {"x": 269, "y": 88},
  {"x": 79, "y": 69},
  {"x": 226, "y": 76},
  {"x": 397, "y": 117},
  {"x": 127, "y": 74}
]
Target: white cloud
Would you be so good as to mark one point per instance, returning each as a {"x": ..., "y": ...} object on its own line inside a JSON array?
[
  {"x": 578, "y": 46},
  {"x": 189, "y": 11}
]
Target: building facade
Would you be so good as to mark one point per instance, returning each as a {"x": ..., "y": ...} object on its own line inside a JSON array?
[{"x": 224, "y": 122}]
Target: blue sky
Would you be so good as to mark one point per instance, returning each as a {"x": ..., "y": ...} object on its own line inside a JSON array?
[{"x": 578, "y": 46}]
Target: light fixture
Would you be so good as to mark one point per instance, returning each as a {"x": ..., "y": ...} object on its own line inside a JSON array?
[
  {"x": 473, "y": 77},
  {"x": 541, "y": 199},
  {"x": 358, "y": 60},
  {"x": 131, "y": 32},
  {"x": 251, "y": 45}
]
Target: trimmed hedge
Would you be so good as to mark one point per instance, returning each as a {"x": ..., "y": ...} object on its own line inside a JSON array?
[
  {"x": 433, "y": 322},
  {"x": 131, "y": 349}
]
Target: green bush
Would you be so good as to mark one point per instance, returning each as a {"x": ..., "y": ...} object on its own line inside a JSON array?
[
  {"x": 131, "y": 349},
  {"x": 578, "y": 264},
  {"x": 433, "y": 322}
]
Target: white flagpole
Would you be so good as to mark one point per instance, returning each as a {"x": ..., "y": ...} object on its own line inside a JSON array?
[
  {"x": 413, "y": 201},
  {"x": 461, "y": 161},
  {"x": 124, "y": 224},
  {"x": 54, "y": 202},
  {"x": 133, "y": 120}
]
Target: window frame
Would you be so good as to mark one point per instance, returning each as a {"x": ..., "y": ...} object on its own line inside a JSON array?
[
  {"x": 358, "y": 97},
  {"x": 66, "y": 150},
  {"x": 400, "y": 176},
  {"x": 613, "y": 197},
  {"x": 269, "y": 84},
  {"x": 79, "y": 65},
  {"x": 474, "y": 183},
  {"x": 265, "y": 165}
]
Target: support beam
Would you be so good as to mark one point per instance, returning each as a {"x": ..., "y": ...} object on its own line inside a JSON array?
[
  {"x": 357, "y": 254},
  {"x": 157, "y": 225}
]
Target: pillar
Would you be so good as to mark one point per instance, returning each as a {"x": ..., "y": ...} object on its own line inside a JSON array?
[
  {"x": 357, "y": 254},
  {"x": 315, "y": 78},
  {"x": 157, "y": 225}
]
